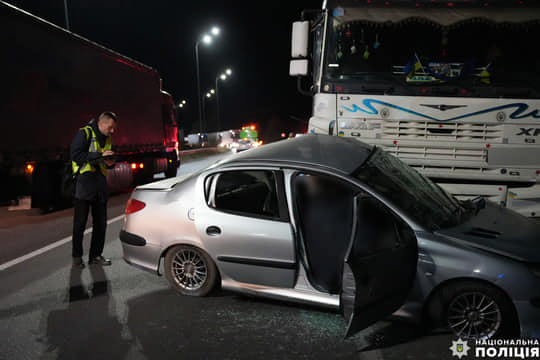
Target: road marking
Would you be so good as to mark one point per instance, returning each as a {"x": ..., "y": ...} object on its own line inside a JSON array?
[{"x": 44, "y": 249}]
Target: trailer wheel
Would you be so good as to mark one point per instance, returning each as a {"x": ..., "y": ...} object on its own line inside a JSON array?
[{"x": 172, "y": 166}]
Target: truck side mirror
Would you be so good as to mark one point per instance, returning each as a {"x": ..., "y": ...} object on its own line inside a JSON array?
[
  {"x": 299, "y": 49},
  {"x": 298, "y": 67},
  {"x": 300, "y": 38}
]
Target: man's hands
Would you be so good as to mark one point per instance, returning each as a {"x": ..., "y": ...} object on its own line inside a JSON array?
[{"x": 108, "y": 161}]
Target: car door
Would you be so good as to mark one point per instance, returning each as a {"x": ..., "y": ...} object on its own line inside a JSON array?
[
  {"x": 380, "y": 264},
  {"x": 244, "y": 225}
]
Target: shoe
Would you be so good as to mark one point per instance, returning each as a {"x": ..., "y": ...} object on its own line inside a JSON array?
[
  {"x": 100, "y": 260},
  {"x": 78, "y": 262}
]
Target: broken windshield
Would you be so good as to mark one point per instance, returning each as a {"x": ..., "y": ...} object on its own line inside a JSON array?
[
  {"x": 417, "y": 196},
  {"x": 417, "y": 55}
]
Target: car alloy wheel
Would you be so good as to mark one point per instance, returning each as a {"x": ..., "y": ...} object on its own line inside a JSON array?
[
  {"x": 473, "y": 309},
  {"x": 190, "y": 270},
  {"x": 474, "y": 315}
]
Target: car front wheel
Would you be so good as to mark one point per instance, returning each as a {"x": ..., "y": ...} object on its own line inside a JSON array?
[
  {"x": 190, "y": 270},
  {"x": 474, "y": 310}
]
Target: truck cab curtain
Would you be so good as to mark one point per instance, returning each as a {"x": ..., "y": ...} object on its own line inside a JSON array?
[{"x": 445, "y": 17}]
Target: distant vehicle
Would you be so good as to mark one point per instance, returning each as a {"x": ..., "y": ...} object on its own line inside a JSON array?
[
  {"x": 243, "y": 144},
  {"x": 192, "y": 140},
  {"x": 296, "y": 221},
  {"x": 249, "y": 132},
  {"x": 53, "y": 83},
  {"x": 437, "y": 83},
  {"x": 229, "y": 137}
]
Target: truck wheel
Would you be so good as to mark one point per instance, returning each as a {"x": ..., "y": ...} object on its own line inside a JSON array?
[
  {"x": 172, "y": 169},
  {"x": 474, "y": 310},
  {"x": 171, "y": 172},
  {"x": 190, "y": 270}
]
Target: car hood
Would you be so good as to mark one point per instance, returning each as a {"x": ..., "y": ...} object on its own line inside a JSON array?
[{"x": 501, "y": 231}]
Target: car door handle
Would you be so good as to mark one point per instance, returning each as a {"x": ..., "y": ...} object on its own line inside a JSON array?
[{"x": 213, "y": 230}]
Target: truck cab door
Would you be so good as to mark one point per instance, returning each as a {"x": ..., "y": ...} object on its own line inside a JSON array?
[{"x": 380, "y": 264}]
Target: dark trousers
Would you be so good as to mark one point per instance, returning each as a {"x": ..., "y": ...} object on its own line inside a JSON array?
[{"x": 99, "y": 224}]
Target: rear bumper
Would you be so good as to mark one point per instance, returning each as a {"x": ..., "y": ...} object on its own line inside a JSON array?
[
  {"x": 139, "y": 253},
  {"x": 132, "y": 239}
]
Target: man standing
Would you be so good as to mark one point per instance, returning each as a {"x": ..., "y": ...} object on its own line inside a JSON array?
[{"x": 91, "y": 156}]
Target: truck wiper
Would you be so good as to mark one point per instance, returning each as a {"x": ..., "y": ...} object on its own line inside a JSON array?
[
  {"x": 386, "y": 86},
  {"x": 374, "y": 89}
]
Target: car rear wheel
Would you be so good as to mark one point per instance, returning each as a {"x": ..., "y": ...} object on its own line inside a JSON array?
[
  {"x": 190, "y": 270},
  {"x": 474, "y": 310}
]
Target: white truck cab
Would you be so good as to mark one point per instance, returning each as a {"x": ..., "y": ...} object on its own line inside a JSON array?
[{"x": 451, "y": 88}]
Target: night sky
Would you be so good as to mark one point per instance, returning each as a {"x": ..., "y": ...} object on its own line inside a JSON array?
[{"x": 254, "y": 42}]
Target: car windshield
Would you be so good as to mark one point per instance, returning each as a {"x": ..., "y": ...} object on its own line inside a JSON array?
[{"x": 417, "y": 196}]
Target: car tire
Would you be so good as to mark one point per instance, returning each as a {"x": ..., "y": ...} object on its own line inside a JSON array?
[
  {"x": 190, "y": 270},
  {"x": 473, "y": 310}
]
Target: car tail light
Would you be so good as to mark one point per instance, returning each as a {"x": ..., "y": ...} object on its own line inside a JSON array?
[{"x": 133, "y": 206}]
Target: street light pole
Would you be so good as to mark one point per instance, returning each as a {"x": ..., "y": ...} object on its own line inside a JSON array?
[
  {"x": 217, "y": 101},
  {"x": 208, "y": 95},
  {"x": 207, "y": 39},
  {"x": 66, "y": 15},
  {"x": 198, "y": 85},
  {"x": 220, "y": 77}
]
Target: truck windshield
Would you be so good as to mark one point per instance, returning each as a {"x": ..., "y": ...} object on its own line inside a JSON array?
[
  {"x": 441, "y": 52},
  {"x": 417, "y": 196}
]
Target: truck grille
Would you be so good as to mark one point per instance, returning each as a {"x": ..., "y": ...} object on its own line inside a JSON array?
[
  {"x": 441, "y": 145},
  {"x": 470, "y": 155},
  {"x": 455, "y": 132}
]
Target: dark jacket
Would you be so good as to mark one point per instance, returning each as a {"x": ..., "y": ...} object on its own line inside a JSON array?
[{"x": 91, "y": 186}]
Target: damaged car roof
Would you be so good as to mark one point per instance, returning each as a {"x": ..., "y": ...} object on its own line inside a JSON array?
[{"x": 337, "y": 153}]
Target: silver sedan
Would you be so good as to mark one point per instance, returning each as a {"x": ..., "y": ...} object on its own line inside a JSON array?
[{"x": 336, "y": 222}]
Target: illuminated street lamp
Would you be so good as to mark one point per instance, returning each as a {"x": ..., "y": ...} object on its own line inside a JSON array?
[{"x": 206, "y": 39}]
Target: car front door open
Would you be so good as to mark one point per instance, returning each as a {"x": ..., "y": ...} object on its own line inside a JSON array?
[{"x": 380, "y": 264}]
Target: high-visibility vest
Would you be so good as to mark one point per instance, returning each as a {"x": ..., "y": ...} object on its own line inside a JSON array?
[{"x": 94, "y": 147}]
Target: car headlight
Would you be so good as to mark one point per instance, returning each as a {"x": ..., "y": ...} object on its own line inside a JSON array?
[{"x": 535, "y": 269}]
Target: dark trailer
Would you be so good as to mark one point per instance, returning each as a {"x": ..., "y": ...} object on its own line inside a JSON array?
[{"x": 53, "y": 82}]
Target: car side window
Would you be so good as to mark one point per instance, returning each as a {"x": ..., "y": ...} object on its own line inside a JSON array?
[{"x": 251, "y": 193}]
